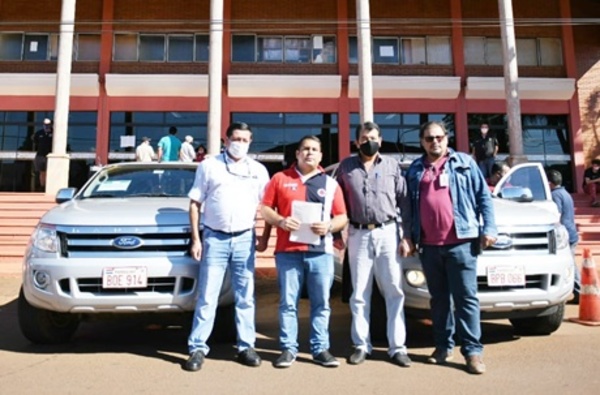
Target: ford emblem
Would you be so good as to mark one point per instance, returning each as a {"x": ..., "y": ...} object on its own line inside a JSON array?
[
  {"x": 127, "y": 242},
  {"x": 503, "y": 242}
]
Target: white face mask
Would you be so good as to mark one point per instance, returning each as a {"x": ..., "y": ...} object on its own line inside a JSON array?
[{"x": 237, "y": 149}]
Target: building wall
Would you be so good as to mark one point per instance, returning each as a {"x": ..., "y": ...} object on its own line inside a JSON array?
[{"x": 389, "y": 17}]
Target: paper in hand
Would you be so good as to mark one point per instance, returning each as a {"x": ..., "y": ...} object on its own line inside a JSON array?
[{"x": 307, "y": 213}]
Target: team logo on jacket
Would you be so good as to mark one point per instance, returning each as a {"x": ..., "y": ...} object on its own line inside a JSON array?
[{"x": 321, "y": 192}]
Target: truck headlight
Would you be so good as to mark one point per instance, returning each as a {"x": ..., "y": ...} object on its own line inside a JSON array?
[
  {"x": 415, "y": 278},
  {"x": 44, "y": 238},
  {"x": 562, "y": 237}
]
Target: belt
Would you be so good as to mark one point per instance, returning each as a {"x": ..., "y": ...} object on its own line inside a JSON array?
[
  {"x": 236, "y": 233},
  {"x": 371, "y": 226}
]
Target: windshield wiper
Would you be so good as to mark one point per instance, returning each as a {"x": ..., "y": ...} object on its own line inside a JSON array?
[{"x": 101, "y": 195}]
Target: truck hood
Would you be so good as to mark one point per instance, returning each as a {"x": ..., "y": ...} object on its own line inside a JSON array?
[
  {"x": 509, "y": 213},
  {"x": 140, "y": 211}
]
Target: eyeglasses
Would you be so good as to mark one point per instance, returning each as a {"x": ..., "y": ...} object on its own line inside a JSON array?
[{"x": 430, "y": 139}]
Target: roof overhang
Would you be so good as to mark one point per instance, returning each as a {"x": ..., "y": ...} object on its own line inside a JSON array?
[
  {"x": 529, "y": 88},
  {"x": 289, "y": 86},
  {"x": 158, "y": 85},
  {"x": 409, "y": 87},
  {"x": 34, "y": 84}
]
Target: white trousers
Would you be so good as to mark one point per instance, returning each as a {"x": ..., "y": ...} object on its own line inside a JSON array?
[{"x": 373, "y": 254}]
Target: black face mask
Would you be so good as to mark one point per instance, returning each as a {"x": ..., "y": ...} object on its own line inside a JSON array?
[{"x": 369, "y": 148}]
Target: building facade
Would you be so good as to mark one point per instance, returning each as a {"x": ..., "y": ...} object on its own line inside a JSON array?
[{"x": 290, "y": 69}]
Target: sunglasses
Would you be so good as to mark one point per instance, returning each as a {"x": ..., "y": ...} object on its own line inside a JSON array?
[{"x": 430, "y": 139}]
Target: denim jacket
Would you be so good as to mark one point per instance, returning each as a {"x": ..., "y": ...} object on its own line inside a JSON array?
[{"x": 469, "y": 193}]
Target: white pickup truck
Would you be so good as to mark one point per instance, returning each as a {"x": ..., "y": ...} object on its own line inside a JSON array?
[
  {"x": 118, "y": 246},
  {"x": 526, "y": 276}
]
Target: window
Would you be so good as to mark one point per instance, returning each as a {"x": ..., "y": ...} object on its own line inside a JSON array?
[
  {"x": 243, "y": 49},
  {"x": 438, "y": 50},
  {"x": 152, "y": 48},
  {"x": 202, "y": 41},
  {"x": 474, "y": 50},
  {"x": 125, "y": 47},
  {"x": 297, "y": 50},
  {"x": 550, "y": 52},
  {"x": 527, "y": 52},
  {"x": 530, "y": 51},
  {"x": 270, "y": 49},
  {"x": 323, "y": 49},
  {"x": 289, "y": 49},
  {"x": 87, "y": 47},
  {"x": 35, "y": 47},
  {"x": 353, "y": 50},
  {"x": 385, "y": 50},
  {"x": 493, "y": 52},
  {"x": 181, "y": 48},
  {"x": 10, "y": 46},
  {"x": 413, "y": 50}
]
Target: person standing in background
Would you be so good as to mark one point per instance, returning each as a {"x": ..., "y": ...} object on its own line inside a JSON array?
[
  {"x": 200, "y": 153},
  {"x": 187, "y": 152},
  {"x": 144, "y": 152},
  {"x": 485, "y": 150},
  {"x": 591, "y": 182},
  {"x": 169, "y": 147},
  {"x": 42, "y": 142},
  {"x": 566, "y": 208}
]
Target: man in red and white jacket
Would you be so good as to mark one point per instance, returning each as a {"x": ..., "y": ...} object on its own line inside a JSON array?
[{"x": 310, "y": 256}]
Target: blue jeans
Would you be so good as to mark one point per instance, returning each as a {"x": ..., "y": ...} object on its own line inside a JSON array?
[
  {"x": 451, "y": 273},
  {"x": 485, "y": 165},
  {"x": 576, "y": 272},
  {"x": 292, "y": 269},
  {"x": 221, "y": 251}
]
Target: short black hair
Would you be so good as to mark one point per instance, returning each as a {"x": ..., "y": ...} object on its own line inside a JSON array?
[
  {"x": 172, "y": 130},
  {"x": 367, "y": 126},
  {"x": 429, "y": 124},
  {"x": 498, "y": 166},
  {"x": 308, "y": 137},
  {"x": 596, "y": 162},
  {"x": 237, "y": 126},
  {"x": 554, "y": 177}
]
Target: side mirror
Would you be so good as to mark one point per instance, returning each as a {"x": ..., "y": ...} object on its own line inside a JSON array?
[{"x": 65, "y": 194}]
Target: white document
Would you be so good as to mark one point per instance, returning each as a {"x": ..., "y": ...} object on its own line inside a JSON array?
[
  {"x": 307, "y": 213},
  {"x": 386, "y": 51}
]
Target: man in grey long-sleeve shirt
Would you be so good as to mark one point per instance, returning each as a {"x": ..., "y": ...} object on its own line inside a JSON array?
[{"x": 376, "y": 193}]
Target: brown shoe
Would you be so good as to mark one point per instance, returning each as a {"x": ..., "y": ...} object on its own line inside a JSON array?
[
  {"x": 440, "y": 357},
  {"x": 475, "y": 364}
]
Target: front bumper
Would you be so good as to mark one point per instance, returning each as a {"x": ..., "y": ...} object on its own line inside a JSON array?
[{"x": 75, "y": 285}]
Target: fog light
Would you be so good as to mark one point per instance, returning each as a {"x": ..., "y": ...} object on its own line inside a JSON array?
[
  {"x": 41, "y": 279},
  {"x": 415, "y": 278}
]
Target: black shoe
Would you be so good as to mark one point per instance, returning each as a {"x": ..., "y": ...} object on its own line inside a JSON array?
[
  {"x": 249, "y": 357},
  {"x": 441, "y": 357},
  {"x": 358, "y": 356},
  {"x": 324, "y": 358},
  {"x": 574, "y": 300},
  {"x": 194, "y": 362},
  {"x": 401, "y": 360},
  {"x": 285, "y": 360}
]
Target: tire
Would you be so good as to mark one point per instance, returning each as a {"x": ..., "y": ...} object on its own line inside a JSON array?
[
  {"x": 539, "y": 326},
  {"x": 43, "y": 326}
]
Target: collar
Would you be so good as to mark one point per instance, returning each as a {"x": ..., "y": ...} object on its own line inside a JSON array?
[{"x": 304, "y": 178}]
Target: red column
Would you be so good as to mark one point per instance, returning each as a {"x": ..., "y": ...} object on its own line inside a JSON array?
[
  {"x": 461, "y": 124},
  {"x": 568, "y": 42},
  {"x": 103, "y": 120},
  {"x": 344, "y": 132}
]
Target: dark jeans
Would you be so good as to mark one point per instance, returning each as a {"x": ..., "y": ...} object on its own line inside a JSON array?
[
  {"x": 485, "y": 165},
  {"x": 451, "y": 273}
]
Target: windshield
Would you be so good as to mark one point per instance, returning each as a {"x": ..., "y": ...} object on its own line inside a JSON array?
[
  {"x": 146, "y": 181},
  {"x": 525, "y": 182}
]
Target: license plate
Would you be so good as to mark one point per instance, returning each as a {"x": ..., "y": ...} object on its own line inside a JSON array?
[
  {"x": 498, "y": 276},
  {"x": 124, "y": 277}
]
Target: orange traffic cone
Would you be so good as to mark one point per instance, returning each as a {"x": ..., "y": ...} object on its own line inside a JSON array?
[{"x": 589, "y": 297}]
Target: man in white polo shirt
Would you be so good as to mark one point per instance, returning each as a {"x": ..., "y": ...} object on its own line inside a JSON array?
[{"x": 230, "y": 185}]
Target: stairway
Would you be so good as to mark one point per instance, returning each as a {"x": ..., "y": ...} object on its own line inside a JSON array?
[
  {"x": 587, "y": 219},
  {"x": 19, "y": 214}
]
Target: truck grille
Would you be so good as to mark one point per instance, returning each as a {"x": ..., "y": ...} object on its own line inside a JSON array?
[
  {"x": 82, "y": 242},
  {"x": 166, "y": 285},
  {"x": 538, "y": 240}
]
